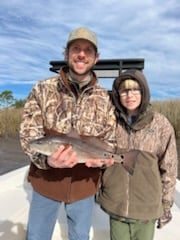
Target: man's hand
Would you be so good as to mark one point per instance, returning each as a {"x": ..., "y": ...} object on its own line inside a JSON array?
[
  {"x": 99, "y": 162},
  {"x": 63, "y": 158}
]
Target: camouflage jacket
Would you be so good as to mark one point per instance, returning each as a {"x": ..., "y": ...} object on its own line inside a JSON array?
[
  {"x": 143, "y": 195},
  {"x": 57, "y": 105}
]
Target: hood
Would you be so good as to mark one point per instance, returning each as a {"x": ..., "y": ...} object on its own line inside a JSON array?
[
  {"x": 145, "y": 102},
  {"x": 140, "y": 78}
]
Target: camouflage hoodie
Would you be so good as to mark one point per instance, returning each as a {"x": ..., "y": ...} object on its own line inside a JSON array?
[
  {"x": 142, "y": 195},
  {"x": 56, "y": 105}
]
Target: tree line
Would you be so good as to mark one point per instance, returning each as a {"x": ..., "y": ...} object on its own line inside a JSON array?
[{"x": 7, "y": 100}]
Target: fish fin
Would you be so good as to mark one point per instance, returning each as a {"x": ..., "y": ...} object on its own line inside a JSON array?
[
  {"x": 97, "y": 142},
  {"x": 73, "y": 134},
  {"x": 94, "y": 141},
  {"x": 54, "y": 133}
]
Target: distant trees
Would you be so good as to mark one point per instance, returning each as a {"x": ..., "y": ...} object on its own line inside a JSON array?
[
  {"x": 19, "y": 103},
  {"x": 7, "y": 100}
]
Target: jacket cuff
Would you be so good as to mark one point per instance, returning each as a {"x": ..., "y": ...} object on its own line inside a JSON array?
[{"x": 40, "y": 161}]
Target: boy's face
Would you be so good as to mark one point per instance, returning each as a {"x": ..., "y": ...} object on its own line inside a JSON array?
[{"x": 130, "y": 96}]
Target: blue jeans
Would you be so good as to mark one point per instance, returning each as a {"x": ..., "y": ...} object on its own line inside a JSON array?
[{"x": 44, "y": 212}]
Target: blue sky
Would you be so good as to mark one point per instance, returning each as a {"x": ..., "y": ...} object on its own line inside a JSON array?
[{"x": 32, "y": 33}]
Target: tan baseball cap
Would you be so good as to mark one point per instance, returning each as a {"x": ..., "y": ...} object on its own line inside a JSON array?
[{"x": 83, "y": 33}]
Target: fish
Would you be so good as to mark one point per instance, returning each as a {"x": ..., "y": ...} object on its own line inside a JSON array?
[{"x": 86, "y": 147}]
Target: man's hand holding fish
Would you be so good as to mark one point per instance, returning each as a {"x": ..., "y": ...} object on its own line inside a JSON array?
[
  {"x": 99, "y": 162},
  {"x": 63, "y": 158}
]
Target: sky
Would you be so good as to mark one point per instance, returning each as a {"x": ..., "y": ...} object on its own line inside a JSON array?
[{"x": 33, "y": 33}]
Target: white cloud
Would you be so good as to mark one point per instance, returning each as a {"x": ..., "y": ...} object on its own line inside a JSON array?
[{"x": 35, "y": 32}]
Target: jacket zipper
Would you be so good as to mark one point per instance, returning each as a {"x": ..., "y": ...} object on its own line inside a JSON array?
[{"x": 128, "y": 177}]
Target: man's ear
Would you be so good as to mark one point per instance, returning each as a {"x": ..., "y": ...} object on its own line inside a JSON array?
[
  {"x": 66, "y": 54},
  {"x": 97, "y": 58}
]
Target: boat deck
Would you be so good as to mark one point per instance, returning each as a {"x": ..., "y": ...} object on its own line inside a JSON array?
[{"x": 15, "y": 195}]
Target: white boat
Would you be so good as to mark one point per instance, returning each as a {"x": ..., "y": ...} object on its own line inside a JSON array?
[{"x": 15, "y": 195}]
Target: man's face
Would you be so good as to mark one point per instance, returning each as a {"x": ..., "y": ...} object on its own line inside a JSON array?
[{"x": 81, "y": 57}]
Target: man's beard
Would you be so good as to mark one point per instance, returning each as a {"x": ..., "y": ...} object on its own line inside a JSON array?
[{"x": 77, "y": 73}]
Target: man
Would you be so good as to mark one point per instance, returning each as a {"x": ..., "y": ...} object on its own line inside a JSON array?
[{"x": 70, "y": 101}]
